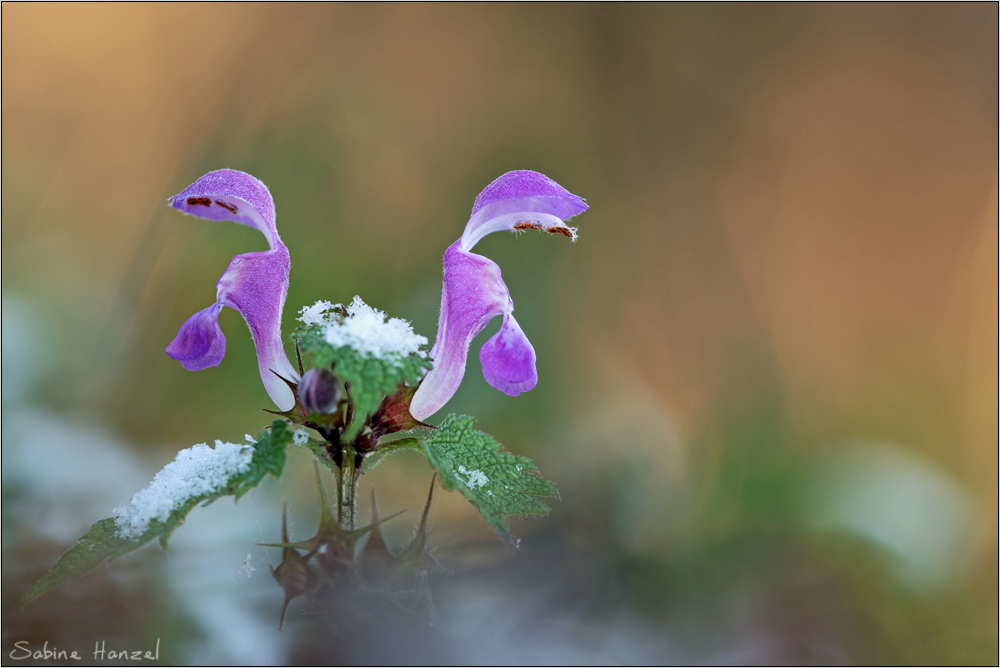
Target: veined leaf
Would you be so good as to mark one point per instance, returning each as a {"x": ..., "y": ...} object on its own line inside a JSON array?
[{"x": 496, "y": 483}]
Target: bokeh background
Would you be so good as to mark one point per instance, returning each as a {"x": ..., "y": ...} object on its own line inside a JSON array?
[{"x": 768, "y": 368}]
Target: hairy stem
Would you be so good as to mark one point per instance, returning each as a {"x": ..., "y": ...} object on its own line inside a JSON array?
[
  {"x": 347, "y": 488},
  {"x": 356, "y": 476},
  {"x": 340, "y": 494}
]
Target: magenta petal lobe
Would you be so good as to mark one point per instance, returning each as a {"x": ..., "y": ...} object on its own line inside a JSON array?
[
  {"x": 200, "y": 342},
  {"x": 508, "y": 359}
]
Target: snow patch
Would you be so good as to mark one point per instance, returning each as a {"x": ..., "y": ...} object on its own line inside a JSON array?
[
  {"x": 317, "y": 314},
  {"x": 364, "y": 329},
  {"x": 476, "y": 477},
  {"x": 195, "y": 471}
]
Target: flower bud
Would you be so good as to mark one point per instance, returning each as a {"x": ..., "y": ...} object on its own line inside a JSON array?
[{"x": 319, "y": 391}]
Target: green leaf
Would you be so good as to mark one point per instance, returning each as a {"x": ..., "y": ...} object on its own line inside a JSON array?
[
  {"x": 268, "y": 457},
  {"x": 104, "y": 542},
  {"x": 369, "y": 378},
  {"x": 100, "y": 543},
  {"x": 497, "y": 483}
]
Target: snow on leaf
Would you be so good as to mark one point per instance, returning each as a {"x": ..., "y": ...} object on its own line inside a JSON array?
[
  {"x": 363, "y": 328},
  {"x": 475, "y": 478},
  {"x": 196, "y": 471}
]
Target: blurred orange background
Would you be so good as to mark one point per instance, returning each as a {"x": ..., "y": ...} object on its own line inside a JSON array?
[{"x": 768, "y": 368}]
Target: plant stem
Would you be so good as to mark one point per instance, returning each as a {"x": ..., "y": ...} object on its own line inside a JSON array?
[
  {"x": 340, "y": 494},
  {"x": 347, "y": 487},
  {"x": 356, "y": 476}
]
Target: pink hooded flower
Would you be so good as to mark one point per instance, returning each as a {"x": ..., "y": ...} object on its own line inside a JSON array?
[
  {"x": 473, "y": 292},
  {"x": 255, "y": 284}
]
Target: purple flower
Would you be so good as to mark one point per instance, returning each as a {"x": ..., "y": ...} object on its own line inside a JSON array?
[
  {"x": 255, "y": 284},
  {"x": 473, "y": 292}
]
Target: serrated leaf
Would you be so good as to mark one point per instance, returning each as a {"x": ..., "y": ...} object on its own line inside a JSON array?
[
  {"x": 369, "y": 378},
  {"x": 104, "y": 541},
  {"x": 496, "y": 483}
]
